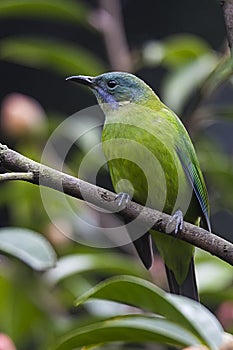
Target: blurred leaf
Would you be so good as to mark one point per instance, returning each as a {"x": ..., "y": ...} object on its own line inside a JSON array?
[
  {"x": 183, "y": 49},
  {"x": 211, "y": 269},
  {"x": 175, "y": 51},
  {"x": 29, "y": 246},
  {"x": 128, "y": 328},
  {"x": 105, "y": 263},
  {"x": 183, "y": 311},
  {"x": 64, "y": 10},
  {"x": 105, "y": 308},
  {"x": 193, "y": 65},
  {"x": 43, "y": 53},
  {"x": 181, "y": 83},
  {"x": 153, "y": 53}
]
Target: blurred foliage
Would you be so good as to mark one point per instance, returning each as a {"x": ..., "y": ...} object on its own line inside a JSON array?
[
  {"x": 43, "y": 53},
  {"x": 189, "y": 60},
  {"x": 59, "y": 10},
  {"x": 37, "y": 309},
  {"x": 28, "y": 246},
  {"x": 181, "y": 324}
]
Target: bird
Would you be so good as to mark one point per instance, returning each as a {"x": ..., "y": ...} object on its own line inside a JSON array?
[{"x": 152, "y": 160}]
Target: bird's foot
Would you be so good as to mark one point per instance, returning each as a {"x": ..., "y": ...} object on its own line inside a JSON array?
[
  {"x": 122, "y": 198},
  {"x": 179, "y": 221}
]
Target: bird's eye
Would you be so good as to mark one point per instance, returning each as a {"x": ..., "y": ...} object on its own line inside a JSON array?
[{"x": 112, "y": 84}]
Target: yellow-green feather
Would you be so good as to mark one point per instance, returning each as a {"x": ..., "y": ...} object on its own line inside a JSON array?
[{"x": 160, "y": 131}]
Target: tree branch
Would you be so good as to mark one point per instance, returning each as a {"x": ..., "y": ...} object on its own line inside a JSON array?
[
  {"x": 227, "y": 6},
  {"x": 40, "y": 174}
]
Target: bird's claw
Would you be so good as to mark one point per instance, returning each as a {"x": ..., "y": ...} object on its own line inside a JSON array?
[
  {"x": 122, "y": 198},
  {"x": 179, "y": 220}
]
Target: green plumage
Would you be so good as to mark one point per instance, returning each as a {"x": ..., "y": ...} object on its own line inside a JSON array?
[
  {"x": 165, "y": 178},
  {"x": 151, "y": 157}
]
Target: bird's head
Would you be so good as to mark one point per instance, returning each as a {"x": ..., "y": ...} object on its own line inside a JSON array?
[{"x": 117, "y": 88}]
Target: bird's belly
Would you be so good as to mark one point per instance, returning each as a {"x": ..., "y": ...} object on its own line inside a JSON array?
[
  {"x": 146, "y": 187},
  {"x": 146, "y": 168},
  {"x": 149, "y": 178}
]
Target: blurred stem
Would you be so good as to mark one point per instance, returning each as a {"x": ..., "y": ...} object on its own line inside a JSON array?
[
  {"x": 108, "y": 20},
  {"x": 227, "y": 6},
  {"x": 148, "y": 218}
]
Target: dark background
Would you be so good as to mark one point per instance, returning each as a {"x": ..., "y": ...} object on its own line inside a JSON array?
[{"x": 144, "y": 20}]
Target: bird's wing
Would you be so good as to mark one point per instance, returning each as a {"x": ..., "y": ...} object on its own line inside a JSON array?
[{"x": 191, "y": 168}]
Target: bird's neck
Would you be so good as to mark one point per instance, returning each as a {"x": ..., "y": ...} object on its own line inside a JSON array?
[{"x": 149, "y": 101}]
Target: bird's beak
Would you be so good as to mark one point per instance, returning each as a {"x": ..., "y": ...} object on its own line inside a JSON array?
[{"x": 82, "y": 79}]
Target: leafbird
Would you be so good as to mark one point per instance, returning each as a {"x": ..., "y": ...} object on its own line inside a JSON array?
[{"x": 152, "y": 160}]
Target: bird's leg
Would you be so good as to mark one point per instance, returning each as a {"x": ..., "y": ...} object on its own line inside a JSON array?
[
  {"x": 122, "y": 198},
  {"x": 179, "y": 220}
]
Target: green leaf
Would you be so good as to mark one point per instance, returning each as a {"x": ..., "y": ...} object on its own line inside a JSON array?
[
  {"x": 51, "y": 54},
  {"x": 104, "y": 263},
  {"x": 29, "y": 246},
  {"x": 206, "y": 324},
  {"x": 64, "y": 10},
  {"x": 182, "y": 49},
  {"x": 140, "y": 293},
  {"x": 211, "y": 269},
  {"x": 175, "y": 51},
  {"x": 128, "y": 328}
]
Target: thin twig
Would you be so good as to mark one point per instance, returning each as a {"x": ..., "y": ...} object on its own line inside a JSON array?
[{"x": 46, "y": 176}]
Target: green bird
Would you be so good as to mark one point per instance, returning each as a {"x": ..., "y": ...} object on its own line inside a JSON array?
[{"x": 152, "y": 160}]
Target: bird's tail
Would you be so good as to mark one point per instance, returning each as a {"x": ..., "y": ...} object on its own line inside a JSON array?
[
  {"x": 144, "y": 249},
  {"x": 188, "y": 287}
]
